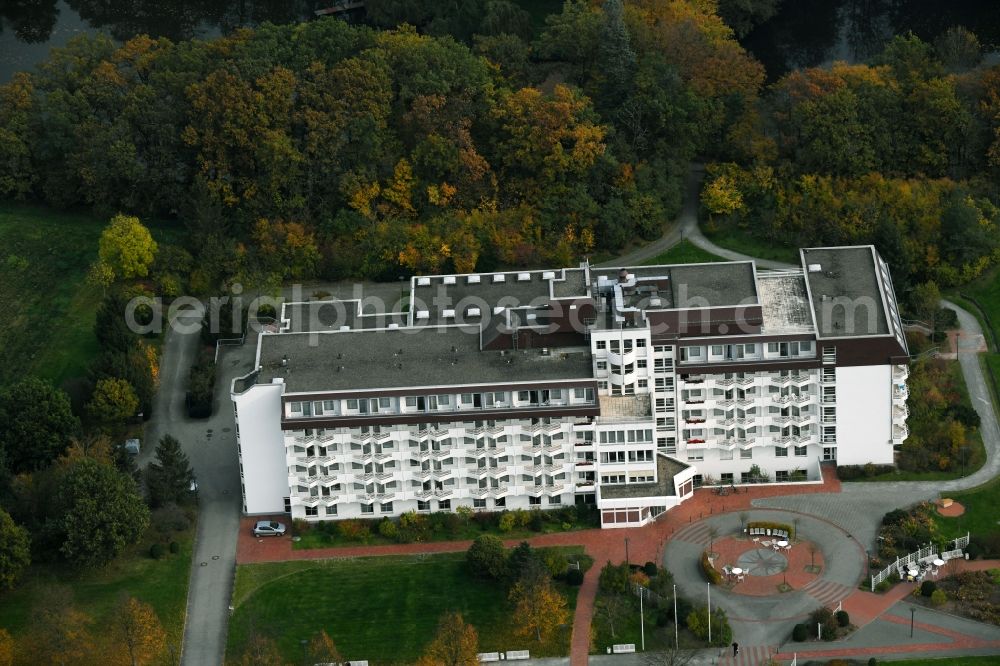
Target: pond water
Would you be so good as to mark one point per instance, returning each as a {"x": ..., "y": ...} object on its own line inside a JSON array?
[
  {"x": 807, "y": 33},
  {"x": 30, "y": 28},
  {"x": 804, "y": 33}
]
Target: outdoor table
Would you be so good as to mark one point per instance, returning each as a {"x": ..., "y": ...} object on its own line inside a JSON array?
[
  {"x": 737, "y": 571},
  {"x": 912, "y": 571},
  {"x": 939, "y": 562},
  {"x": 783, "y": 544}
]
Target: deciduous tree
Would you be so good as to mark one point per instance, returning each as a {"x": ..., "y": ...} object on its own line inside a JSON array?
[
  {"x": 114, "y": 401},
  {"x": 98, "y": 512},
  {"x": 59, "y": 634},
  {"x": 15, "y": 550},
  {"x": 486, "y": 557},
  {"x": 36, "y": 424},
  {"x": 6, "y": 648},
  {"x": 455, "y": 644},
  {"x": 127, "y": 247},
  {"x": 322, "y": 649},
  {"x": 137, "y": 633},
  {"x": 539, "y": 608}
]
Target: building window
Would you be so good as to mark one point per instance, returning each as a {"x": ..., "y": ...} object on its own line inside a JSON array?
[
  {"x": 312, "y": 510},
  {"x": 746, "y": 454},
  {"x": 800, "y": 451},
  {"x": 478, "y": 504},
  {"x": 352, "y": 403},
  {"x": 386, "y": 507},
  {"x": 695, "y": 456},
  {"x": 727, "y": 477},
  {"x": 640, "y": 343},
  {"x": 423, "y": 505},
  {"x": 444, "y": 505},
  {"x": 781, "y": 452},
  {"x": 534, "y": 501},
  {"x": 602, "y": 344},
  {"x": 331, "y": 510},
  {"x": 602, "y": 365},
  {"x": 781, "y": 475},
  {"x": 501, "y": 502},
  {"x": 367, "y": 508}
]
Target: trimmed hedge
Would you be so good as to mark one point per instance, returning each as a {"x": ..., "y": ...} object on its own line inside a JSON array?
[
  {"x": 800, "y": 633},
  {"x": 764, "y": 525},
  {"x": 843, "y": 619},
  {"x": 713, "y": 576},
  {"x": 850, "y": 472}
]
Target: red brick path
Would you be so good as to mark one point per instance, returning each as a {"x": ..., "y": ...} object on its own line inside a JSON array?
[{"x": 645, "y": 543}]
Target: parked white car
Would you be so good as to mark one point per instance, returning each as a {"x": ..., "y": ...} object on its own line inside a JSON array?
[{"x": 268, "y": 528}]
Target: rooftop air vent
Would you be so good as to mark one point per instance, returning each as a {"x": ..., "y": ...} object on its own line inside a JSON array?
[
  {"x": 549, "y": 275},
  {"x": 523, "y": 277},
  {"x": 499, "y": 277},
  {"x": 449, "y": 279},
  {"x": 546, "y": 351},
  {"x": 655, "y": 302},
  {"x": 815, "y": 268},
  {"x": 448, "y": 314},
  {"x": 284, "y": 360},
  {"x": 345, "y": 328},
  {"x": 473, "y": 279},
  {"x": 472, "y": 312},
  {"x": 423, "y": 282},
  {"x": 393, "y": 327},
  {"x": 423, "y": 314}
]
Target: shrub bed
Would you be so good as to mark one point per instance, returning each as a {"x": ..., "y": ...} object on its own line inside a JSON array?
[
  {"x": 711, "y": 574},
  {"x": 851, "y": 472}
]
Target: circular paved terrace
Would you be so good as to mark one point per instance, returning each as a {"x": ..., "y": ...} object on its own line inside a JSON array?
[{"x": 757, "y": 603}]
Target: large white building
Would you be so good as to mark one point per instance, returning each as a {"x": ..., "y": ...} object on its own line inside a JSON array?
[{"x": 626, "y": 387}]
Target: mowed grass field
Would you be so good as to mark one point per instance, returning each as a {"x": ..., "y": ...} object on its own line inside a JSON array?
[
  {"x": 383, "y": 609},
  {"x": 161, "y": 583},
  {"x": 48, "y": 305},
  {"x": 50, "y": 309}
]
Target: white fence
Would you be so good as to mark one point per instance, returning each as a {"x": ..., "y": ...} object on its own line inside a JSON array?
[{"x": 922, "y": 554}]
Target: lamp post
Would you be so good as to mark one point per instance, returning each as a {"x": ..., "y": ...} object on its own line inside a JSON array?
[
  {"x": 912, "y": 612},
  {"x": 642, "y": 619},
  {"x": 304, "y": 643},
  {"x": 677, "y": 642},
  {"x": 709, "y": 613}
]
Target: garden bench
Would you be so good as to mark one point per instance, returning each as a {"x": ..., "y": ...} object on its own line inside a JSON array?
[
  {"x": 623, "y": 648},
  {"x": 518, "y": 654},
  {"x": 485, "y": 657}
]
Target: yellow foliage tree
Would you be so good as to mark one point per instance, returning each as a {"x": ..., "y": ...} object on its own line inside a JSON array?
[
  {"x": 322, "y": 650},
  {"x": 6, "y": 648},
  {"x": 137, "y": 633},
  {"x": 60, "y": 634},
  {"x": 126, "y": 247},
  {"x": 456, "y": 644},
  {"x": 538, "y": 607},
  {"x": 114, "y": 400}
]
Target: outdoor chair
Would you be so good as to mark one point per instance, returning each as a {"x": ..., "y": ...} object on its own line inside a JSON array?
[
  {"x": 756, "y": 539},
  {"x": 740, "y": 578}
]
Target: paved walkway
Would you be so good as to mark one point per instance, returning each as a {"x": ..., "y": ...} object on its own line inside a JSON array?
[{"x": 211, "y": 446}]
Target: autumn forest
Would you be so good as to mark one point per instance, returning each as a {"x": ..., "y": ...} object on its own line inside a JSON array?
[{"x": 473, "y": 140}]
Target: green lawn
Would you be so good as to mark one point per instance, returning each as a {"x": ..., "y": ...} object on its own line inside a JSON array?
[
  {"x": 740, "y": 240},
  {"x": 384, "y": 609},
  {"x": 980, "y": 515},
  {"x": 162, "y": 583},
  {"x": 684, "y": 252},
  {"x": 50, "y": 307}
]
